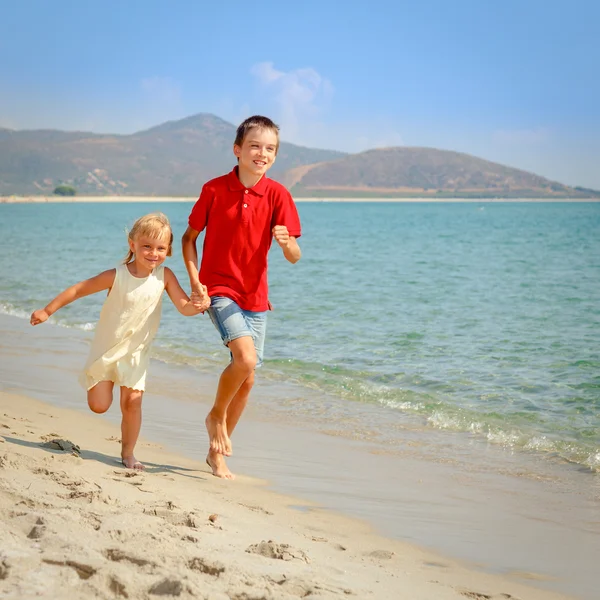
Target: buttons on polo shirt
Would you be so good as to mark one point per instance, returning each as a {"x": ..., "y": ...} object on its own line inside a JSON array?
[
  {"x": 245, "y": 206},
  {"x": 245, "y": 191}
]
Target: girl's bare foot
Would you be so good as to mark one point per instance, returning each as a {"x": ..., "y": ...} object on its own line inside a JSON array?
[
  {"x": 217, "y": 434},
  {"x": 132, "y": 463},
  {"x": 218, "y": 465}
]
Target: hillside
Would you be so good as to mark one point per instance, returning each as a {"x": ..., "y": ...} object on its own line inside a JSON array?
[
  {"x": 422, "y": 172},
  {"x": 177, "y": 157},
  {"x": 174, "y": 158}
]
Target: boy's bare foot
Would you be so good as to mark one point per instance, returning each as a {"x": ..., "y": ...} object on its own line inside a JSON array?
[
  {"x": 132, "y": 463},
  {"x": 218, "y": 465},
  {"x": 217, "y": 434}
]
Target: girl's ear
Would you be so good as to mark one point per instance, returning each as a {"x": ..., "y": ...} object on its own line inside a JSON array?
[{"x": 131, "y": 245}]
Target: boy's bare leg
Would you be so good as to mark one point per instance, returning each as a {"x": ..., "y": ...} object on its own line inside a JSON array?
[
  {"x": 235, "y": 409},
  {"x": 131, "y": 423},
  {"x": 239, "y": 369}
]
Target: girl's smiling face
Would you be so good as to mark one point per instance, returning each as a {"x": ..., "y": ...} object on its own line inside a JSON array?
[{"x": 149, "y": 252}]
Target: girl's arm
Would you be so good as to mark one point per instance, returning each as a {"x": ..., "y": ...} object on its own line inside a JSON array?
[
  {"x": 103, "y": 281},
  {"x": 180, "y": 299}
]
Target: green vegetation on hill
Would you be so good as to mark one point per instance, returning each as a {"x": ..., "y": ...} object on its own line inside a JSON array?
[{"x": 64, "y": 190}]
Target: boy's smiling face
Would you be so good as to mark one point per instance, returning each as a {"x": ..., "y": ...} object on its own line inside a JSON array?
[{"x": 257, "y": 153}]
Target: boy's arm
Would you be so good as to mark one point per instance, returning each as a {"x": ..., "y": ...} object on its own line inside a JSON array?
[
  {"x": 288, "y": 243},
  {"x": 190, "y": 258},
  {"x": 180, "y": 299},
  {"x": 102, "y": 281}
]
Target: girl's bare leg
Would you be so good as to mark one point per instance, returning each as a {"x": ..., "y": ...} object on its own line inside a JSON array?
[
  {"x": 100, "y": 397},
  {"x": 131, "y": 423}
]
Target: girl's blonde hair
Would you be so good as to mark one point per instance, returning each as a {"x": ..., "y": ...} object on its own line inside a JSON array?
[{"x": 155, "y": 226}]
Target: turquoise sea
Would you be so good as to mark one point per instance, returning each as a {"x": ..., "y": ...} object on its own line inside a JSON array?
[{"x": 479, "y": 319}]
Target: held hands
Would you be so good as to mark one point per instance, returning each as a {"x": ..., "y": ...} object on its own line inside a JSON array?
[
  {"x": 200, "y": 298},
  {"x": 38, "y": 316}
]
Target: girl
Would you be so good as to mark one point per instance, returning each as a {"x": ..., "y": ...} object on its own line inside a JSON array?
[{"x": 128, "y": 323}]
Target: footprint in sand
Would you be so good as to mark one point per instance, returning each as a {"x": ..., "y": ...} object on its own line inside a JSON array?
[
  {"x": 209, "y": 567},
  {"x": 126, "y": 474},
  {"x": 174, "y": 517},
  {"x": 381, "y": 554},
  {"x": 167, "y": 587},
  {"x": 117, "y": 555},
  {"x": 93, "y": 520},
  {"x": 304, "y": 589},
  {"x": 4, "y": 568},
  {"x": 278, "y": 551},
  {"x": 84, "y": 571},
  {"x": 482, "y": 596},
  {"x": 256, "y": 508},
  {"x": 38, "y": 530},
  {"x": 117, "y": 588}
]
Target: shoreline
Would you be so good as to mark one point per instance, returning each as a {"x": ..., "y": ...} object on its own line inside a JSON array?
[
  {"x": 190, "y": 199},
  {"x": 74, "y": 517}
]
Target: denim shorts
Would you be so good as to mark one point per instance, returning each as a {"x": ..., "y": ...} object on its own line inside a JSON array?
[{"x": 233, "y": 322}]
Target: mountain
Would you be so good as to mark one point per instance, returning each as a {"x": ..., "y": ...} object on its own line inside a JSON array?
[
  {"x": 177, "y": 157},
  {"x": 422, "y": 172},
  {"x": 174, "y": 158}
]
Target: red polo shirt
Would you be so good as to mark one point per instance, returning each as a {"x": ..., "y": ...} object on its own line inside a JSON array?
[{"x": 238, "y": 222}]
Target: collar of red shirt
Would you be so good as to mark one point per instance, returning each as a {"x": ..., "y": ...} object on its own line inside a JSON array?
[{"x": 235, "y": 185}]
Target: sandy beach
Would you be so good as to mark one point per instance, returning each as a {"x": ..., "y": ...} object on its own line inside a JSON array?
[{"x": 73, "y": 518}]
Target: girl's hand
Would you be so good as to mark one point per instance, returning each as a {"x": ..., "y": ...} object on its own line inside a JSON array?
[
  {"x": 200, "y": 300},
  {"x": 39, "y": 316}
]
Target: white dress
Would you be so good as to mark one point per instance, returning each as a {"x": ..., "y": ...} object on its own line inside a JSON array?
[{"x": 128, "y": 323}]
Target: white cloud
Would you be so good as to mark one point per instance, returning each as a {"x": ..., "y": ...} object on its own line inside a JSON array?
[{"x": 300, "y": 95}]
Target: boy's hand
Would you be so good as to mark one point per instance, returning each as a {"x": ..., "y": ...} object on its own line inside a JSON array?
[
  {"x": 281, "y": 235},
  {"x": 200, "y": 298},
  {"x": 38, "y": 316}
]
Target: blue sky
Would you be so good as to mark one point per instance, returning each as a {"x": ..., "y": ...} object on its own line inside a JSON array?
[{"x": 516, "y": 82}]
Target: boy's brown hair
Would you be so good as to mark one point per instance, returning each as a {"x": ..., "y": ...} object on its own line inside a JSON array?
[{"x": 258, "y": 122}]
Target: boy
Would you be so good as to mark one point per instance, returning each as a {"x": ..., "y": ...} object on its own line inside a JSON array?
[{"x": 242, "y": 212}]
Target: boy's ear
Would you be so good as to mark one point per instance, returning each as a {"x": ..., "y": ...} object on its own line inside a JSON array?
[{"x": 237, "y": 151}]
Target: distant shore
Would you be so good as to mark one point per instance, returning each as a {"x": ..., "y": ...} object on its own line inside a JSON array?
[{"x": 80, "y": 199}]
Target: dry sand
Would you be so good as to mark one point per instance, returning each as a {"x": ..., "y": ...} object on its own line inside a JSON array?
[{"x": 76, "y": 524}]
